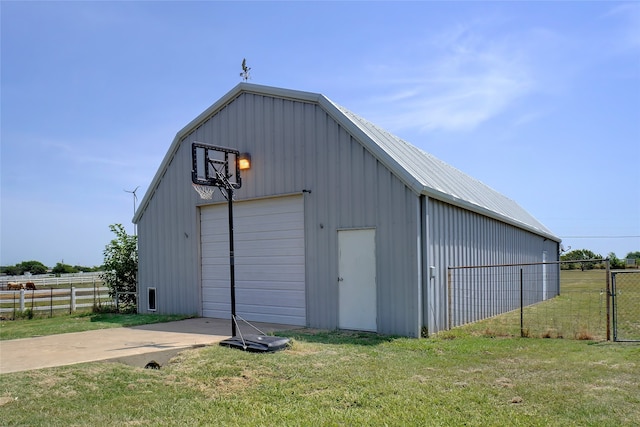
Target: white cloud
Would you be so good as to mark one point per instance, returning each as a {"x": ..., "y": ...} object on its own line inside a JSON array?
[
  {"x": 628, "y": 35},
  {"x": 72, "y": 153},
  {"x": 462, "y": 81},
  {"x": 530, "y": 117}
]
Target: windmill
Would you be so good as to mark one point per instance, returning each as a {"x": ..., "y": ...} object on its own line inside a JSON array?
[
  {"x": 245, "y": 70},
  {"x": 135, "y": 199}
]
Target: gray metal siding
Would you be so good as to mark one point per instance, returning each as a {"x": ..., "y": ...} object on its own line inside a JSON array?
[
  {"x": 294, "y": 146},
  {"x": 351, "y": 189},
  {"x": 462, "y": 238},
  {"x": 303, "y": 143},
  {"x": 169, "y": 242}
]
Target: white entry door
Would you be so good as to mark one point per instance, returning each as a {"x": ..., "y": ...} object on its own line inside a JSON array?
[{"x": 357, "y": 280}]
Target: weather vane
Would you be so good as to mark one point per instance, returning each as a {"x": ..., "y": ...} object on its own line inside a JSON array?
[{"x": 245, "y": 70}]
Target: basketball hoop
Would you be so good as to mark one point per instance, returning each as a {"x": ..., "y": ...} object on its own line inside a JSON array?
[
  {"x": 205, "y": 191},
  {"x": 217, "y": 167}
]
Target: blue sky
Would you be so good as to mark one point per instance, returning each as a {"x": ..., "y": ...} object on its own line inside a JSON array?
[{"x": 539, "y": 100}]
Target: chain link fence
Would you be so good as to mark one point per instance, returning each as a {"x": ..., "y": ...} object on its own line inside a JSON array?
[
  {"x": 625, "y": 286},
  {"x": 531, "y": 300}
]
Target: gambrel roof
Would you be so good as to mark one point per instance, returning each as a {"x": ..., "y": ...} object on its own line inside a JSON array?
[{"x": 419, "y": 170}]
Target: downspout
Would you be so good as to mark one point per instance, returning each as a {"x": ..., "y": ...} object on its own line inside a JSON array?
[{"x": 423, "y": 258}]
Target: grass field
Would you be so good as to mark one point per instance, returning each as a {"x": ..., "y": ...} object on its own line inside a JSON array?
[
  {"x": 579, "y": 312},
  {"x": 86, "y": 321},
  {"x": 469, "y": 376},
  {"x": 331, "y": 378}
]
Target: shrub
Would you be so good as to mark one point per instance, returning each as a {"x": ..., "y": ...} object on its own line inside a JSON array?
[{"x": 121, "y": 267}]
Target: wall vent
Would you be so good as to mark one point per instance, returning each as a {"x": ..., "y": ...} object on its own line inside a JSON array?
[{"x": 151, "y": 299}]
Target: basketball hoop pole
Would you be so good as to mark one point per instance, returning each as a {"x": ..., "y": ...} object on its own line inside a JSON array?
[
  {"x": 213, "y": 166},
  {"x": 232, "y": 269}
]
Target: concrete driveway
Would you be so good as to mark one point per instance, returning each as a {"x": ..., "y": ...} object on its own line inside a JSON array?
[{"x": 134, "y": 346}]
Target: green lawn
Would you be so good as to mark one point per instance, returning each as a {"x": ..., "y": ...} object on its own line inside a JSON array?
[
  {"x": 331, "y": 378},
  {"x": 579, "y": 312},
  {"x": 87, "y": 321},
  {"x": 474, "y": 375}
]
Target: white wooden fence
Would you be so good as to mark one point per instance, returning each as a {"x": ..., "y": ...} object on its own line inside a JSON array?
[
  {"x": 69, "y": 299},
  {"x": 43, "y": 280}
]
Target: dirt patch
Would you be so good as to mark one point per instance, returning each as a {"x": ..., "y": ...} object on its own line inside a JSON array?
[
  {"x": 7, "y": 399},
  {"x": 162, "y": 358},
  {"x": 505, "y": 382},
  {"x": 420, "y": 378}
]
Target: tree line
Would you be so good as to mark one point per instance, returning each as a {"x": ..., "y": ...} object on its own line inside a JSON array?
[
  {"x": 36, "y": 267},
  {"x": 583, "y": 257},
  {"x": 119, "y": 270},
  {"x": 120, "y": 267}
]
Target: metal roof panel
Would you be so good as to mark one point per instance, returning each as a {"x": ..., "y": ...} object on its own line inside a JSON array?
[
  {"x": 421, "y": 171},
  {"x": 443, "y": 181}
]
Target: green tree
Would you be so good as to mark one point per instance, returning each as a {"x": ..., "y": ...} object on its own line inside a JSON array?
[
  {"x": 614, "y": 261},
  {"x": 34, "y": 267},
  {"x": 579, "y": 255},
  {"x": 85, "y": 268},
  {"x": 121, "y": 266},
  {"x": 634, "y": 255},
  {"x": 11, "y": 270},
  {"x": 61, "y": 268}
]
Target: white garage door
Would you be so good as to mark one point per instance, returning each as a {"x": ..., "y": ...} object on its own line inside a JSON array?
[{"x": 269, "y": 260}]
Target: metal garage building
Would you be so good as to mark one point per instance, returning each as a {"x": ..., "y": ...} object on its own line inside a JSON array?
[{"x": 337, "y": 222}]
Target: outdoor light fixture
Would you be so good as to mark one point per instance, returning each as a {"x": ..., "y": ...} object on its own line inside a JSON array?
[{"x": 244, "y": 161}]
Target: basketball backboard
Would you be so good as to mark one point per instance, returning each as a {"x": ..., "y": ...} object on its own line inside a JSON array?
[{"x": 215, "y": 166}]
